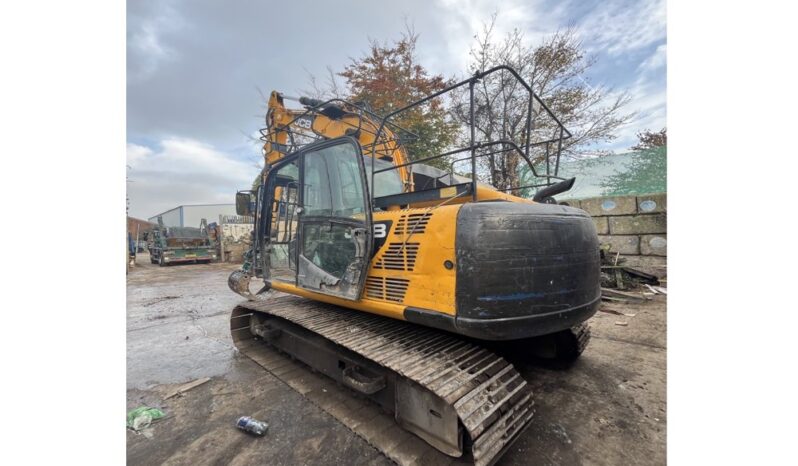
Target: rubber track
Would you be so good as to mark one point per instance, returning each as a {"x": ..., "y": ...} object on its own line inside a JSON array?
[
  {"x": 582, "y": 334},
  {"x": 492, "y": 400}
]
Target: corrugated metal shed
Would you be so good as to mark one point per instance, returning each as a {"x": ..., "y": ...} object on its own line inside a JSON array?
[
  {"x": 191, "y": 215},
  {"x": 170, "y": 218}
]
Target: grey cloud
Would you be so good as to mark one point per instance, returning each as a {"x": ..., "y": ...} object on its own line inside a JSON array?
[
  {"x": 193, "y": 68},
  {"x": 182, "y": 171}
]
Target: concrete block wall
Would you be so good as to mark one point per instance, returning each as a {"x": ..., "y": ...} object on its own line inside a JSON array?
[
  {"x": 235, "y": 237},
  {"x": 634, "y": 226},
  {"x": 235, "y": 246},
  {"x": 234, "y": 252}
]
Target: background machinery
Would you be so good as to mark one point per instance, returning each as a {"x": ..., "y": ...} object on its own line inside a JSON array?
[
  {"x": 171, "y": 245},
  {"x": 393, "y": 277}
]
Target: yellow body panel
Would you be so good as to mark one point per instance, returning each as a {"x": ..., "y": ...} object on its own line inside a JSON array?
[
  {"x": 430, "y": 285},
  {"x": 382, "y": 308}
]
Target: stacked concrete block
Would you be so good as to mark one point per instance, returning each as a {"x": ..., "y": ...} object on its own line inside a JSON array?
[
  {"x": 634, "y": 226},
  {"x": 654, "y": 245},
  {"x": 236, "y": 239},
  {"x": 234, "y": 252},
  {"x": 602, "y": 225}
]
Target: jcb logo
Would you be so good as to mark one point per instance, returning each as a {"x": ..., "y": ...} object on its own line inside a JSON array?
[
  {"x": 380, "y": 230},
  {"x": 305, "y": 123}
]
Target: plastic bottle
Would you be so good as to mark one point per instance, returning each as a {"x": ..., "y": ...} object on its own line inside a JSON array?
[{"x": 253, "y": 426}]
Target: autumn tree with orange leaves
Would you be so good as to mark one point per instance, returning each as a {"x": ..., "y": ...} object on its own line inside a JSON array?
[{"x": 389, "y": 77}]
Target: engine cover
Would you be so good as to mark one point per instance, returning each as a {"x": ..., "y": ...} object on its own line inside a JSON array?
[{"x": 524, "y": 270}]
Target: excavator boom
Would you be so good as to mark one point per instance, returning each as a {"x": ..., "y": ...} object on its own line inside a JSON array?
[{"x": 287, "y": 129}]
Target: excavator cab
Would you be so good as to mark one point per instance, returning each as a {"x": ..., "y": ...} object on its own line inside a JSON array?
[{"x": 314, "y": 218}]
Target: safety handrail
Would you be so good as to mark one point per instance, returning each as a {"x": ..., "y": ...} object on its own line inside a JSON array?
[{"x": 474, "y": 145}]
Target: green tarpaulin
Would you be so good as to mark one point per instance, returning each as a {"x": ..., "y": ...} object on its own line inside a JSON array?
[{"x": 636, "y": 172}]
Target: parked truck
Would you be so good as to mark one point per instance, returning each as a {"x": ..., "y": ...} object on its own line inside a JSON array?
[{"x": 172, "y": 245}]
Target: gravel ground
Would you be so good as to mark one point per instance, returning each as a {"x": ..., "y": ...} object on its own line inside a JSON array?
[{"x": 607, "y": 408}]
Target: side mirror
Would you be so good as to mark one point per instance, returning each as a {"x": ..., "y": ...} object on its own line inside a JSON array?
[{"x": 244, "y": 203}]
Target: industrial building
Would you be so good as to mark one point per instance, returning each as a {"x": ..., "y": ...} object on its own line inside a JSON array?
[
  {"x": 190, "y": 215},
  {"x": 137, "y": 226}
]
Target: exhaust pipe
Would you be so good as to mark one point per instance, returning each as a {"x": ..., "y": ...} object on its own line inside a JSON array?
[
  {"x": 554, "y": 189},
  {"x": 310, "y": 102}
]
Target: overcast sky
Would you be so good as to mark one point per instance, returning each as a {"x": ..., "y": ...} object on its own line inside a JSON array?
[{"x": 194, "y": 70}]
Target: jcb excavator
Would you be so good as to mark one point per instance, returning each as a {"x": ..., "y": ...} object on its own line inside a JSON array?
[{"x": 389, "y": 275}]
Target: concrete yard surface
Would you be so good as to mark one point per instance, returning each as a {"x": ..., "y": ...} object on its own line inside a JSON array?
[{"x": 607, "y": 408}]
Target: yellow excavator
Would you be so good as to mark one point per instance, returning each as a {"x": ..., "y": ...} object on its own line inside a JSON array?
[{"x": 390, "y": 275}]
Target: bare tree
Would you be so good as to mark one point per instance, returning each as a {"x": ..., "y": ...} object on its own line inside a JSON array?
[
  {"x": 555, "y": 69},
  {"x": 330, "y": 88}
]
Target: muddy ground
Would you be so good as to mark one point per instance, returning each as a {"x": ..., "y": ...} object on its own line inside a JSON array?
[{"x": 607, "y": 408}]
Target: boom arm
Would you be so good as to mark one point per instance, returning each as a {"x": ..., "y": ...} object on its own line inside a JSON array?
[{"x": 328, "y": 120}]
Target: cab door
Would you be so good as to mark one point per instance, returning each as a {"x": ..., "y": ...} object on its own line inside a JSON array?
[
  {"x": 278, "y": 221},
  {"x": 334, "y": 221}
]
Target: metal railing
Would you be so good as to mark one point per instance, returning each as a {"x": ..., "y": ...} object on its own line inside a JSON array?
[
  {"x": 296, "y": 133},
  {"x": 384, "y": 144},
  {"x": 508, "y": 145}
]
